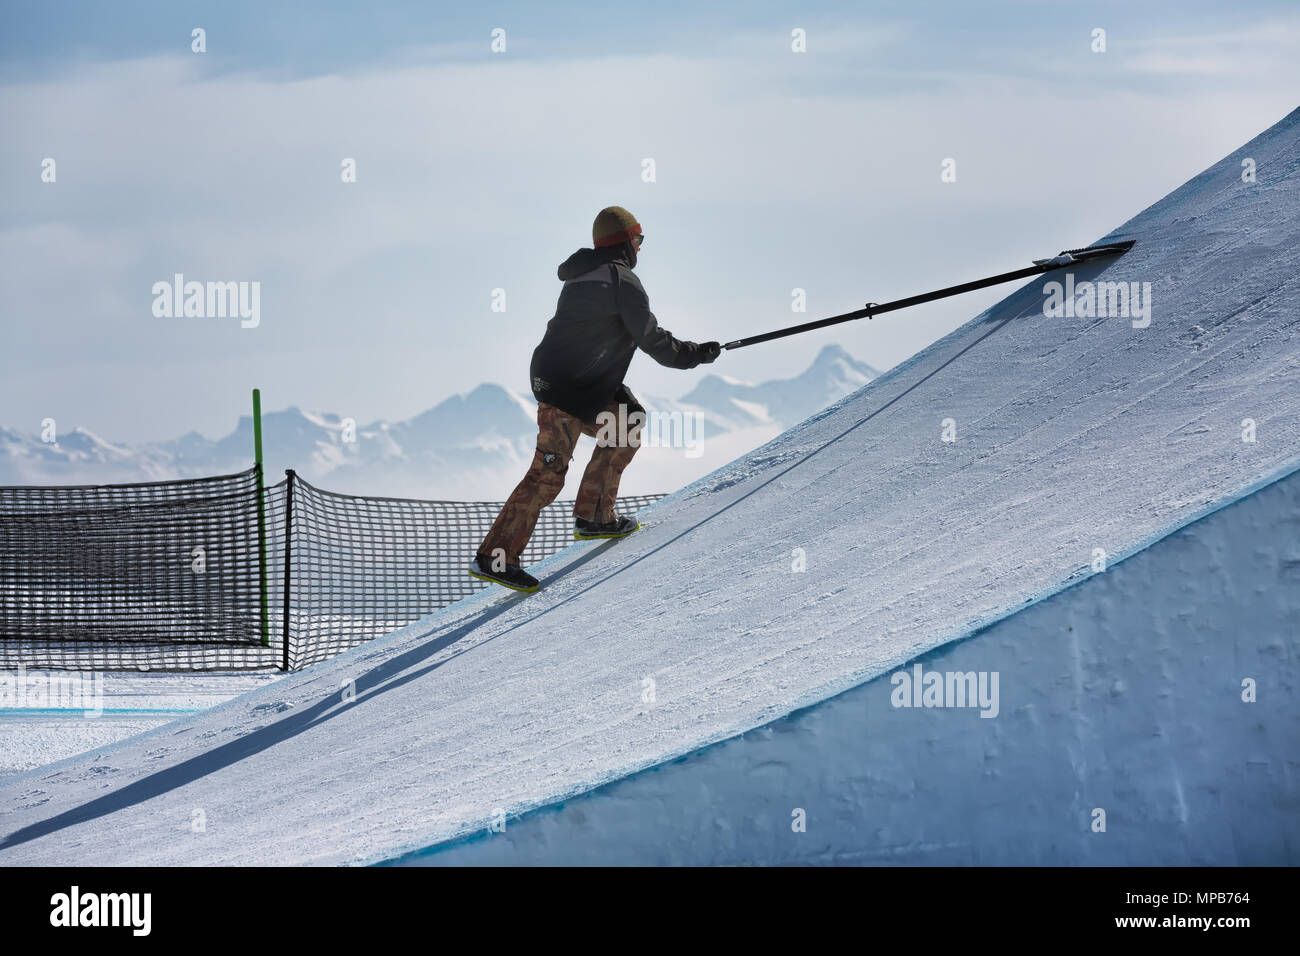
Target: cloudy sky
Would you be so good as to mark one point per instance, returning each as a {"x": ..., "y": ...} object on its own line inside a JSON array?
[{"x": 480, "y": 170}]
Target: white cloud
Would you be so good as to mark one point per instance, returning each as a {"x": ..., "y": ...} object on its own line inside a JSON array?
[{"x": 1259, "y": 50}]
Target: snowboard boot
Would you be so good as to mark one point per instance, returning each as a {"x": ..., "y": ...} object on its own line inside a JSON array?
[
  {"x": 513, "y": 577},
  {"x": 618, "y": 527}
]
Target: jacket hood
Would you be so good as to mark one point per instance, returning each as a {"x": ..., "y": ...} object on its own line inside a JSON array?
[{"x": 584, "y": 260}]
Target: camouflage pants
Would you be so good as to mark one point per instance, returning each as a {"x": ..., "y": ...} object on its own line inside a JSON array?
[{"x": 557, "y": 435}]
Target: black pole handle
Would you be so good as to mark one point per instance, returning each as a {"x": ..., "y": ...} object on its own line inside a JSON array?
[{"x": 1067, "y": 258}]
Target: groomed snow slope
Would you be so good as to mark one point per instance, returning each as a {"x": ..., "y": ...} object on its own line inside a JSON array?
[
  {"x": 1125, "y": 694},
  {"x": 1073, "y": 434}
]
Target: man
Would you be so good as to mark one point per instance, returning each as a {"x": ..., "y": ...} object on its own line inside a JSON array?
[{"x": 602, "y": 318}]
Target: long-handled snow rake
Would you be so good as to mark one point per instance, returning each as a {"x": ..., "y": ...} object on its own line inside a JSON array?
[{"x": 1069, "y": 257}]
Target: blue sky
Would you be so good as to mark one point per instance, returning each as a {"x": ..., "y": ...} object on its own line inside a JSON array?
[{"x": 479, "y": 171}]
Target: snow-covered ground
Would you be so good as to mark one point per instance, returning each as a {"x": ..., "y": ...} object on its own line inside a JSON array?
[
  {"x": 40, "y": 727},
  {"x": 1160, "y": 698},
  {"x": 843, "y": 549}
]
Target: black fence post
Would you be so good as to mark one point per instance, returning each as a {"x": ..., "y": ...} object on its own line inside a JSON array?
[
  {"x": 261, "y": 518},
  {"x": 288, "y": 550}
]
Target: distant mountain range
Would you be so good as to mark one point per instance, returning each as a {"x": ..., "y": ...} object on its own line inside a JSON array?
[{"x": 471, "y": 446}]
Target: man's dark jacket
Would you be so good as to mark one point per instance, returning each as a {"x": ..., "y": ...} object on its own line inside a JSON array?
[{"x": 602, "y": 318}]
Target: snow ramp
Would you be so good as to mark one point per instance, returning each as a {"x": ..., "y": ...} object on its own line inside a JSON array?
[{"x": 769, "y": 606}]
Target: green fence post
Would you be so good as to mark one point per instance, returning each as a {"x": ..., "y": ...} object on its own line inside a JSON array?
[{"x": 261, "y": 516}]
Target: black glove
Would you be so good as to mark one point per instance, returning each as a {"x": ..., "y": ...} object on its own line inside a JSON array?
[{"x": 709, "y": 351}]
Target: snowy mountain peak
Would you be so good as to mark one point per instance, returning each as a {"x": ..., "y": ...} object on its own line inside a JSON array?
[
  {"x": 834, "y": 361},
  {"x": 473, "y": 444},
  {"x": 833, "y": 374}
]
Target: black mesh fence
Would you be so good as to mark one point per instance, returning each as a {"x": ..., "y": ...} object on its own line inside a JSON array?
[
  {"x": 168, "y": 575},
  {"x": 362, "y": 567},
  {"x": 163, "y": 574}
]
